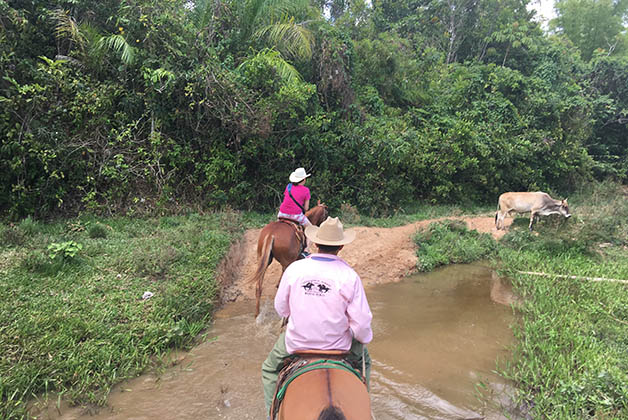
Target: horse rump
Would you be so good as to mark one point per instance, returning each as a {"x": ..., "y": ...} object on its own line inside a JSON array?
[{"x": 323, "y": 389}]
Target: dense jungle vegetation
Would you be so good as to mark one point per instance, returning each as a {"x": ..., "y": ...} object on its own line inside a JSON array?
[{"x": 134, "y": 106}]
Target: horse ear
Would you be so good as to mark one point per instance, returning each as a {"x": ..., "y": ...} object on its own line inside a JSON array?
[{"x": 318, "y": 203}]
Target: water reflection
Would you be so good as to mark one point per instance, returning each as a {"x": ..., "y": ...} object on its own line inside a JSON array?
[{"x": 437, "y": 336}]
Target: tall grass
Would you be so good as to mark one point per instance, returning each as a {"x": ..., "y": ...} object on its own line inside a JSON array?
[
  {"x": 76, "y": 325},
  {"x": 450, "y": 242}
]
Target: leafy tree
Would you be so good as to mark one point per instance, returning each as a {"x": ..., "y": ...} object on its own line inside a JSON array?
[
  {"x": 608, "y": 143},
  {"x": 593, "y": 25}
]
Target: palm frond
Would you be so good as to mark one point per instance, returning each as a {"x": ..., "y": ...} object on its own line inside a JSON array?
[
  {"x": 259, "y": 13},
  {"x": 293, "y": 39},
  {"x": 202, "y": 13},
  {"x": 118, "y": 44},
  {"x": 283, "y": 69},
  {"x": 66, "y": 28},
  {"x": 274, "y": 10}
]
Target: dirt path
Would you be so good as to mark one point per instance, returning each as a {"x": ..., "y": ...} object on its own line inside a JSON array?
[{"x": 379, "y": 255}]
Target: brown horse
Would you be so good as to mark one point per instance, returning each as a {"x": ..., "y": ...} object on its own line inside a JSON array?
[
  {"x": 282, "y": 241},
  {"x": 322, "y": 389}
]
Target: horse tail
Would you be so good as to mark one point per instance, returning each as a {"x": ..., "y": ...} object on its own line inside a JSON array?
[
  {"x": 331, "y": 413},
  {"x": 262, "y": 264}
]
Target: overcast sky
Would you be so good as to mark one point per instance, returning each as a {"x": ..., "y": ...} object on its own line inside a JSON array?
[{"x": 544, "y": 10}]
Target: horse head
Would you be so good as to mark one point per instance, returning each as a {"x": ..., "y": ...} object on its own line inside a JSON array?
[{"x": 317, "y": 214}]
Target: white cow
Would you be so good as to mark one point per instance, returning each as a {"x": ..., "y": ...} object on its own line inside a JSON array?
[{"x": 537, "y": 203}]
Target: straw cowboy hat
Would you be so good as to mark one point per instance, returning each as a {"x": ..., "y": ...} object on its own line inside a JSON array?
[
  {"x": 298, "y": 175},
  {"x": 330, "y": 233}
]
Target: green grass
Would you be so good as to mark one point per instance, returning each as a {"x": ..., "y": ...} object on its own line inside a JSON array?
[
  {"x": 450, "y": 242},
  {"x": 571, "y": 357},
  {"x": 76, "y": 325}
]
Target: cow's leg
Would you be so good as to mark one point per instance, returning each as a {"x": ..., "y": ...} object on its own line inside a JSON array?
[
  {"x": 502, "y": 216},
  {"x": 499, "y": 219},
  {"x": 532, "y": 218}
]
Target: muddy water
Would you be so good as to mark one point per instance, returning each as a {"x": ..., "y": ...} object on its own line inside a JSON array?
[{"x": 436, "y": 337}]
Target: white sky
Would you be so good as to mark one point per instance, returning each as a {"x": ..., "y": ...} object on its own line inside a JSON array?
[{"x": 544, "y": 10}]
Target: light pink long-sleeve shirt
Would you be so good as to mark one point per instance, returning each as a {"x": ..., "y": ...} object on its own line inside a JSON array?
[{"x": 326, "y": 303}]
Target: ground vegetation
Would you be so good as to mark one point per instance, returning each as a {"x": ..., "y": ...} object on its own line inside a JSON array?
[{"x": 88, "y": 302}]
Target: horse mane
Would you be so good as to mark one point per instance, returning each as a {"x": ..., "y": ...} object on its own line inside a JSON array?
[{"x": 331, "y": 413}]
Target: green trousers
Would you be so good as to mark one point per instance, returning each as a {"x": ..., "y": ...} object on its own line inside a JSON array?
[{"x": 273, "y": 364}]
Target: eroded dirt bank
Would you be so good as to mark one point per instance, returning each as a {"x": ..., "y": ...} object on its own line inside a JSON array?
[{"x": 379, "y": 255}]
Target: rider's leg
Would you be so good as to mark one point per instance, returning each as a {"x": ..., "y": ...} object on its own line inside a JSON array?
[
  {"x": 306, "y": 222},
  {"x": 355, "y": 358},
  {"x": 271, "y": 367}
]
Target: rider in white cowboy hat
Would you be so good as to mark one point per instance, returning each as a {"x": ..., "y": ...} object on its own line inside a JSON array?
[
  {"x": 296, "y": 200},
  {"x": 325, "y": 303}
]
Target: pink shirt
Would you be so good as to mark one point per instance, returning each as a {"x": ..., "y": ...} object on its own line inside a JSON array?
[
  {"x": 326, "y": 303},
  {"x": 301, "y": 193}
]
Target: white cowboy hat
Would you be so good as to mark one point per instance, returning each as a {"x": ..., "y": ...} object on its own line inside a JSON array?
[
  {"x": 298, "y": 175},
  {"x": 330, "y": 233}
]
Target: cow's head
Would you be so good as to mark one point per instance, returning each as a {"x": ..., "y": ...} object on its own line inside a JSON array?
[{"x": 564, "y": 208}]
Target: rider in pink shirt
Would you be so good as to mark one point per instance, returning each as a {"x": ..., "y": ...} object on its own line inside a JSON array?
[
  {"x": 325, "y": 303},
  {"x": 294, "y": 207}
]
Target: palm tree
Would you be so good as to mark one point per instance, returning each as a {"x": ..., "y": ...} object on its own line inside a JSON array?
[
  {"x": 85, "y": 42},
  {"x": 280, "y": 24}
]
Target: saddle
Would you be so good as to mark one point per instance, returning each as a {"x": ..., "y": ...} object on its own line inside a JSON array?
[
  {"x": 306, "y": 361},
  {"x": 299, "y": 231}
]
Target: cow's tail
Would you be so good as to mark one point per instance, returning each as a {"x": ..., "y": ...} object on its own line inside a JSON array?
[{"x": 263, "y": 262}]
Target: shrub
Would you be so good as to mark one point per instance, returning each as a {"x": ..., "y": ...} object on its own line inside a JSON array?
[
  {"x": 97, "y": 230},
  {"x": 64, "y": 251},
  {"x": 12, "y": 236}
]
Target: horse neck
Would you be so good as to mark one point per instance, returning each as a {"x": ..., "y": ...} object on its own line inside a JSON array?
[{"x": 316, "y": 215}]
